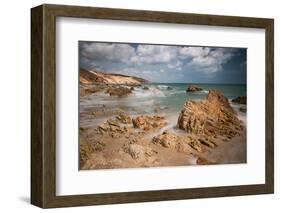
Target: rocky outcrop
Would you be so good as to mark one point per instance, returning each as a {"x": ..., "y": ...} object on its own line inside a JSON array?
[
  {"x": 119, "y": 91},
  {"x": 89, "y": 89},
  {"x": 138, "y": 152},
  {"x": 173, "y": 141},
  {"x": 124, "y": 118},
  {"x": 240, "y": 100},
  {"x": 243, "y": 109},
  {"x": 212, "y": 117},
  {"x": 146, "y": 122},
  {"x": 97, "y": 77},
  {"x": 115, "y": 127},
  {"x": 88, "y": 148},
  {"x": 193, "y": 88}
]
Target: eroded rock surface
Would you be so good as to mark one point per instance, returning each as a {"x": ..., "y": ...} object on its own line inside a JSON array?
[
  {"x": 146, "y": 122},
  {"x": 240, "y": 100},
  {"x": 193, "y": 88},
  {"x": 212, "y": 117}
]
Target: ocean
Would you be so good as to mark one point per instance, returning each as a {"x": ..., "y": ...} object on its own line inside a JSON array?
[
  {"x": 173, "y": 95},
  {"x": 167, "y": 98}
]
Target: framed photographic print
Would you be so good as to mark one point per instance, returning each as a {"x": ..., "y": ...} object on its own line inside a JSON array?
[{"x": 137, "y": 106}]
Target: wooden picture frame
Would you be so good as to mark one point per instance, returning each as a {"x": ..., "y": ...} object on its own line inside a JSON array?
[{"x": 43, "y": 105}]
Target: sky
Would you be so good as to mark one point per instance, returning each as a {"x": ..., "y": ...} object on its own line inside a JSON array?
[{"x": 166, "y": 63}]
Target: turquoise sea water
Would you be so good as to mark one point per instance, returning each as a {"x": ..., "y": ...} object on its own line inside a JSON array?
[
  {"x": 163, "y": 98},
  {"x": 174, "y": 95}
]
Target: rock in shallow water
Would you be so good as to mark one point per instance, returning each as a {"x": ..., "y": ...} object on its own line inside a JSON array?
[
  {"x": 240, "y": 100},
  {"x": 212, "y": 116},
  {"x": 193, "y": 88}
]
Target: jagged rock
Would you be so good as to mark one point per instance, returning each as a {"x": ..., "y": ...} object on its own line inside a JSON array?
[
  {"x": 149, "y": 122},
  {"x": 138, "y": 152},
  {"x": 113, "y": 128},
  {"x": 212, "y": 117},
  {"x": 173, "y": 141},
  {"x": 89, "y": 89},
  {"x": 88, "y": 148},
  {"x": 193, "y": 88},
  {"x": 118, "y": 91},
  {"x": 196, "y": 145},
  {"x": 240, "y": 100},
  {"x": 207, "y": 142},
  {"x": 123, "y": 118}
]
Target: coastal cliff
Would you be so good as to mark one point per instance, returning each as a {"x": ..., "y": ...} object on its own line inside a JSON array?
[{"x": 94, "y": 76}]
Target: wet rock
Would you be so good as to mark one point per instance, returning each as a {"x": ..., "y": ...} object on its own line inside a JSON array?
[
  {"x": 88, "y": 148},
  {"x": 243, "y": 109},
  {"x": 196, "y": 145},
  {"x": 124, "y": 118},
  {"x": 89, "y": 89},
  {"x": 138, "y": 152},
  {"x": 212, "y": 117},
  {"x": 146, "y": 122},
  {"x": 113, "y": 128},
  {"x": 202, "y": 161},
  {"x": 193, "y": 88},
  {"x": 240, "y": 100},
  {"x": 171, "y": 140},
  {"x": 145, "y": 87},
  {"x": 119, "y": 91},
  {"x": 207, "y": 142}
]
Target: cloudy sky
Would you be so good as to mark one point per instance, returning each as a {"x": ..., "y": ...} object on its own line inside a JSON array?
[{"x": 163, "y": 63}]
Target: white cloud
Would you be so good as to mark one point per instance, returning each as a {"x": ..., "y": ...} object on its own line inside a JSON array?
[
  {"x": 204, "y": 59},
  {"x": 193, "y": 51},
  {"x": 174, "y": 65},
  {"x": 150, "y": 54},
  {"x": 208, "y": 60},
  {"x": 107, "y": 52}
]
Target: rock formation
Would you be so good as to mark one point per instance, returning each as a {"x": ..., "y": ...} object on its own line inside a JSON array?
[
  {"x": 172, "y": 141},
  {"x": 212, "y": 117},
  {"x": 119, "y": 91},
  {"x": 115, "y": 127},
  {"x": 88, "y": 148},
  {"x": 149, "y": 122},
  {"x": 94, "y": 76},
  {"x": 240, "y": 100},
  {"x": 193, "y": 88}
]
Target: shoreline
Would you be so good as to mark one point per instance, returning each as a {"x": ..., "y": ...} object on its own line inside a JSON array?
[{"x": 135, "y": 148}]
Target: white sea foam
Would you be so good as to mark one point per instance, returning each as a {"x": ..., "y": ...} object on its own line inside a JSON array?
[
  {"x": 163, "y": 86},
  {"x": 150, "y": 92},
  {"x": 205, "y": 91}
]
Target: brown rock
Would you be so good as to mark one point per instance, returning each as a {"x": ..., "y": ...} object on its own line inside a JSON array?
[
  {"x": 172, "y": 141},
  {"x": 193, "y": 88},
  {"x": 243, "y": 109},
  {"x": 123, "y": 118},
  {"x": 119, "y": 91},
  {"x": 240, "y": 100},
  {"x": 213, "y": 117},
  {"x": 205, "y": 141},
  {"x": 138, "y": 152},
  {"x": 113, "y": 128},
  {"x": 149, "y": 122},
  {"x": 88, "y": 148},
  {"x": 202, "y": 161}
]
